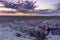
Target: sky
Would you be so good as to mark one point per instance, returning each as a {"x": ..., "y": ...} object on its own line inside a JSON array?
[{"x": 45, "y": 4}]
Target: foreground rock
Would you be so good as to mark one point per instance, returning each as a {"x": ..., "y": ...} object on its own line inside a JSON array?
[
  {"x": 54, "y": 37},
  {"x": 7, "y": 33},
  {"x": 33, "y": 28}
]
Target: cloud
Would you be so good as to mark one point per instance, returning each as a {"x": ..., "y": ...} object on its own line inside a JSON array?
[
  {"x": 1, "y": 4},
  {"x": 41, "y": 4}
]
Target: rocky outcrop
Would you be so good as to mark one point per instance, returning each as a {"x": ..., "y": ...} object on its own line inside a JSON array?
[{"x": 35, "y": 28}]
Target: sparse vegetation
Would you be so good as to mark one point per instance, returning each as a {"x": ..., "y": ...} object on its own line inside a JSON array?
[{"x": 18, "y": 34}]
